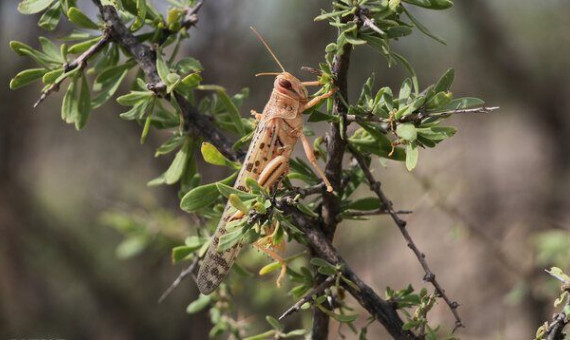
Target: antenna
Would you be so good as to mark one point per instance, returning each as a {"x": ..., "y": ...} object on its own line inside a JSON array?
[
  {"x": 268, "y": 48},
  {"x": 267, "y": 74}
]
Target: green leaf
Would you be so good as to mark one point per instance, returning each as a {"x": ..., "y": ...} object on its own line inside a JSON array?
[
  {"x": 295, "y": 333},
  {"x": 138, "y": 110},
  {"x": 263, "y": 336},
  {"x": 69, "y": 101},
  {"x": 170, "y": 145},
  {"x": 461, "y": 103},
  {"x": 50, "y": 19},
  {"x": 393, "y": 4},
  {"x": 213, "y": 156},
  {"x": 83, "y": 46},
  {"x": 203, "y": 196},
  {"x": 407, "y": 132},
  {"x": 306, "y": 210},
  {"x": 444, "y": 83},
  {"x": 188, "y": 83},
  {"x": 174, "y": 172},
  {"x": 26, "y": 77},
  {"x": 226, "y": 190},
  {"x": 33, "y": 6},
  {"x": 108, "y": 82},
  {"x": 441, "y": 99},
  {"x": 76, "y": 102},
  {"x": 412, "y": 154},
  {"x": 161, "y": 67},
  {"x": 199, "y": 197},
  {"x": 199, "y": 304},
  {"x": 50, "y": 49},
  {"x": 134, "y": 97},
  {"x": 181, "y": 253},
  {"x": 410, "y": 325},
  {"x": 344, "y": 317},
  {"x": 230, "y": 106},
  {"x": 141, "y": 15},
  {"x": 230, "y": 239},
  {"x": 274, "y": 323},
  {"x": 77, "y": 17},
  {"x": 51, "y": 76},
  {"x": 405, "y": 92},
  {"x": 422, "y": 28},
  {"x": 84, "y": 104},
  {"x": 131, "y": 246},
  {"x": 237, "y": 203},
  {"x": 328, "y": 15},
  {"x": 273, "y": 266},
  {"x": 559, "y": 274},
  {"x": 410, "y": 70},
  {"x": 563, "y": 297},
  {"x": 318, "y": 116},
  {"x": 187, "y": 65},
  {"x": 318, "y": 262},
  {"x": 39, "y": 57},
  {"x": 411, "y": 108},
  {"x": 194, "y": 242}
]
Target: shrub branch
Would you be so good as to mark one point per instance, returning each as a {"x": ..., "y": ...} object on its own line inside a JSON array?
[
  {"x": 194, "y": 121},
  {"x": 375, "y": 186}
]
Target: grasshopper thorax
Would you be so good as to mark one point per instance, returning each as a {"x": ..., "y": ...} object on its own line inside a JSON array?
[{"x": 288, "y": 85}]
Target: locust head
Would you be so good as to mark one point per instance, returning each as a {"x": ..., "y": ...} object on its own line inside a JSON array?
[
  {"x": 285, "y": 83},
  {"x": 288, "y": 85}
]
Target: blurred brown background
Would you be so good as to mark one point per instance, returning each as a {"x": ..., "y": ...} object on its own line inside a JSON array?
[{"x": 479, "y": 199}]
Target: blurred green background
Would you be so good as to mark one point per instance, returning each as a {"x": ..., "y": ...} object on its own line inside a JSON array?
[{"x": 490, "y": 205}]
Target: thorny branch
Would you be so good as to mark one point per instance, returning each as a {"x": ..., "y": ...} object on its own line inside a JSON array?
[
  {"x": 336, "y": 146},
  {"x": 516, "y": 268},
  {"x": 80, "y": 63},
  {"x": 195, "y": 122},
  {"x": 416, "y": 117},
  {"x": 380, "y": 211},
  {"x": 380, "y": 309},
  {"x": 317, "y": 290},
  {"x": 429, "y": 275},
  {"x": 183, "y": 274}
]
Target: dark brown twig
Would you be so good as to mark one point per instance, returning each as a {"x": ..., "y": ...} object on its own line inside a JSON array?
[
  {"x": 370, "y": 23},
  {"x": 380, "y": 309},
  {"x": 194, "y": 121},
  {"x": 317, "y": 290},
  {"x": 336, "y": 145},
  {"x": 303, "y": 192},
  {"x": 379, "y": 211},
  {"x": 429, "y": 275},
  {"x": 416, "y": 115},
  {"x": 80, "y": 62},
  {"x": 183, "y": 274}
]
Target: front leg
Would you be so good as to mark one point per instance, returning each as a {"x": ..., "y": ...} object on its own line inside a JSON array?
[{"x": 317, "y": 100}]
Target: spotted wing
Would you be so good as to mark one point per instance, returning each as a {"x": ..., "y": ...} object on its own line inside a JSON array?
[{"x": 216, "y": 265}]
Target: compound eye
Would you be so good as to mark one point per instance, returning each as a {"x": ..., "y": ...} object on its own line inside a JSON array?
[{"x": 285, "y": 83}]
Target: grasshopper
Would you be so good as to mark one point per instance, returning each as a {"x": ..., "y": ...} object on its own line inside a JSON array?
[{"x": 267, "y": 161}]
